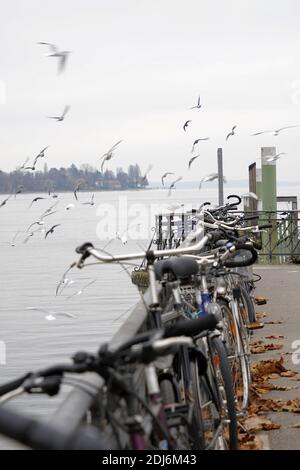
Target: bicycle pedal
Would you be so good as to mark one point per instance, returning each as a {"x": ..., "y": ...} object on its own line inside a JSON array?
[{"x": 255, "y": 325}]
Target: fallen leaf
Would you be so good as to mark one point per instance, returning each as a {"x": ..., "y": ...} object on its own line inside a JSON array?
[
  {"x": 260, "y": 300},
  {"x": 260, "y": 315},
  {"x": 274, "y": 337},
  {"x": 296, "y": 426},
  {"x": 274, "y": 322},
  {"x": 267, "y": 367},
  {"x": 288, "y": 373},
  {"x": 259, "y": 423}
]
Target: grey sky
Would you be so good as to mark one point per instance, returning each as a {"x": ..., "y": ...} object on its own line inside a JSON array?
[{"x": 135, "y": 69}]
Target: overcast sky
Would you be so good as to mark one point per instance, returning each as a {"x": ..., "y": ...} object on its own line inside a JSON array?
[{"x": 136, "y": 67}]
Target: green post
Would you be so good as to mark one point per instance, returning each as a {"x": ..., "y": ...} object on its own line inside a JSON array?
[{"x": 269, "y": 198}]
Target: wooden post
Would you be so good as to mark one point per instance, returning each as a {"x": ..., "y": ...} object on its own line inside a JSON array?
[{"x": 220, "y": 177}]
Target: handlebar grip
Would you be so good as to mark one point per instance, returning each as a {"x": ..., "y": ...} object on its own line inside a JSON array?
[
  {"x": 10, "y": 386},
  {"x": 242, "y": 263},
  {"x": 192, "y": 327},
  {"x": 43, "y": 436},
  {"x": 82, "y": 248},
  {"x": 261, "y": 227}
]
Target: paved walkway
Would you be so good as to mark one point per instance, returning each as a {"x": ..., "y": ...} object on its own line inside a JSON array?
[{"x": 281, "y": 284}]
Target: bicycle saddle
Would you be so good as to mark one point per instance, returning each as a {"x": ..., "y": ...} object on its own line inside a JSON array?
[{"x": 180, "y": 267}]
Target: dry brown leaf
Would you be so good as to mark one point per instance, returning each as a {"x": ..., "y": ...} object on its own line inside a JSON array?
[
  {"x": 251, "y": 442},
  {"x": 274, "y": 322},
  {"x": 259, "y": 300},
  {"x": 259, "y": 423},
  {"x": 260, "y": 315},
  {"x": 267, "y": 367},
  {"x": 274, "y": 337},
  {"x": 288, "y": 373},
  {"x": 296, "y": 426},
  {"x": 261, "y": 348}
]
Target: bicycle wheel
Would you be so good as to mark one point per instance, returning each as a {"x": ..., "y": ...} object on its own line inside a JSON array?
[
  {"x": 226, "y": 391},
  {"x": 182, "y": 426},
  {"x": 248, "y": 305},
  {"x": 236, "y": 354},
  {"x": 215, "y": 400}
]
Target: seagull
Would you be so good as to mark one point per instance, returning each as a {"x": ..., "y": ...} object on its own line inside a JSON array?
[
  {"x": 231, "y": 133},
  {"x": 31, "y": 235},
  {"x": 273, "y": 132},
  {"x": 172, "y": 185},
  {"x": 12, "y": 243},
  {"x": 51, "y": 230},
  {"x": 109, "y": 154},
  {"x": 39, "y": 222},
  {"x": 18, "y": 190},
  {"x": 64, "y": 279},
  {"x": 198, "y": 104},
  {"x": 62, "y": 55},
  {"x": 5, "y": 201},
  {"x": 23, "y": 165},
  {"x": 35, "y": 200},
  {"x": 210, "y": 177},
  {"x": 62, "y": 117},
  {"x": 91, "y": 202},
  {"x": 77, "y": 187},
  {"x": 81, "y": 290},
  {"x": 186, "y": 125},
  {"x": 250, "y": 195},
  {"x": 49, "y": 210},
  {"x": 144, "y": 177},
  {"x": 50, "y": 315},
  {"x": 192, "y": 159},
  {"x": 273, "y": 158},
  {"x": 197, "y": 141},
  {"x": 69, "y": 206},
  {"x": 41, "y": 154},
  {"x": 165, "y": 175}
]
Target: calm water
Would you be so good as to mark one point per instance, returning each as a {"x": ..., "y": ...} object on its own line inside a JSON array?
[{"x": 30, "y": 272}]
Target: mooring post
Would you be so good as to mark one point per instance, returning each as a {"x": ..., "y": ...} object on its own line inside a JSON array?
[
  {"x": 220, "y": 177},
  {"x": 269, "y": 196}
]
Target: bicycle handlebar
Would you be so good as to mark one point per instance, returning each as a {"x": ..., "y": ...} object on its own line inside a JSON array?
[{"x": 42, "y": 436}]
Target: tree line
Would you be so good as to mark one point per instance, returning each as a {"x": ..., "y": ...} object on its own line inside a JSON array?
[{"x": 65, "y": 179}]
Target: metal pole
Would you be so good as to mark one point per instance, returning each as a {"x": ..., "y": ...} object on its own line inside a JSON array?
[{"x": 221, "y": 177}]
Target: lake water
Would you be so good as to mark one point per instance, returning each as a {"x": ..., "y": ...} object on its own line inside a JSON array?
[{"x": 30, "y": 273}]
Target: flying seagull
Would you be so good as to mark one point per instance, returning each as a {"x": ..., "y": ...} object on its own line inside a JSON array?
[
  {"x": 273, "y": 158},
  {"x": 250, "y": 195},
  {"x": 5, "y": 201},
  {"x": 49, "y": 211},
  {"x": 63, "y": 115},
  {"x": 81, "y": 290},
  {"x": 69, "y": 206},
  {"x": 18, "y": 190},
  {"x": 210, "y": 177},
  {"x": 77, "y": 187},
  {"x": 39, "y": 222},
  {"x": 186, "y": 125},
  {"x": 61, "y": 55},
  {"x": 172, "y": 185},
  {"x": 23, "y": 165},
  {"x": 197, "y": 141},
  {"x": 35, "y": 200},
  {"x": 273, "y": 132},
  {"x": 91, "y": 202},
  {"x": 165, "y": 175},
  {"x": 109, "y": 154},
  {"x": 192, "y": 159},
  {"x": 41, "y": 154},
  {"x": 198, "y": 106},
  {"x": 51, "y": 230},
  {"x": 50, "y": 315},
  {"x": 64, "y": 280},
  {"x": 144, "y": 177},
  {"x": 231, "y": 133}
]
